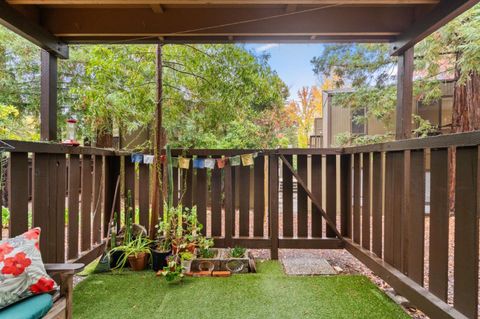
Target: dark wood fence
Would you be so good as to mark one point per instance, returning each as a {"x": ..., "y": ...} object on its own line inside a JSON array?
[
  {"x": 432, "y": 258},
  {"x": 71, "y": 225},
  {"x": 370, "y": 200}
]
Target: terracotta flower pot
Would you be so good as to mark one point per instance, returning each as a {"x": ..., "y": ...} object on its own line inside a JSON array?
[
  {"x": 190, "y": 248},
  {"x": 139, "y": 262}
]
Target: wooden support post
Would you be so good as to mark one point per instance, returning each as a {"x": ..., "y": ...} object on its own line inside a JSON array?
[
  {"x": 48, "y": 97},
  {"x": 157, "y": 200},
  {"x": 273, "y": 203},
  {"x": 404, "y": 95}
]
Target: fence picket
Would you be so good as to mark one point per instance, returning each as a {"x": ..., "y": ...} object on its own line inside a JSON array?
[
  {"x": 466, "y": 232},
  {"x": 439, "y": 211}
]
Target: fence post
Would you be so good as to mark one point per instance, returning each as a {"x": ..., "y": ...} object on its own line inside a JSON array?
[
  {"x": 112, "y": 172},
  {"x": 229, "y": 205},
  {"x": 273, "y": 203},
  {"x": 346, "y": 195}
]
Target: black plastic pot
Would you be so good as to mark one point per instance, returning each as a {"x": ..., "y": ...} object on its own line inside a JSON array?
[
  {"x": 115, "y": 258},
  {"x": 159, "y": 259}
]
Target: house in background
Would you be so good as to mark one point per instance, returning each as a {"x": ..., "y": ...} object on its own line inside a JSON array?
[{"x": 337, "y": 119}]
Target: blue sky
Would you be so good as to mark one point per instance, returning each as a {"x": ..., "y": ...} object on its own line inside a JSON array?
[{"x": 292, "y": 62}]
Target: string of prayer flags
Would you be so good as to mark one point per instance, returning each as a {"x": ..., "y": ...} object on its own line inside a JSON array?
[
  {"x": 235, "y": 160},
  {"x": 137, "y": 158},
  {"x": 210, "y": 163},
  {"x": 247, "y": 159},
  {"x": 183, "y": 162},
  {"x": 148, "y": 159},
  {"x": 199, "y": 163},
  {"x": 221, "y": 162}
]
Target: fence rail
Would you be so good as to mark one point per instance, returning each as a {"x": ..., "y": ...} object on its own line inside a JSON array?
[{"x": 370, "y": 200}]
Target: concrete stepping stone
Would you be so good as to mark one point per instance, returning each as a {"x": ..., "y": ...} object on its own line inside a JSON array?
[{"x": 307, "y": 266}]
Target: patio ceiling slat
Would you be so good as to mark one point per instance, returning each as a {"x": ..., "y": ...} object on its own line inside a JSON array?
[{"x": 213, "y": 2}]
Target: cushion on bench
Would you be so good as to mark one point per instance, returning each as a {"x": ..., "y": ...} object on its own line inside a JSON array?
[
  {"x": 22, "y": 272},
  {"x": 34, "y": 307}
]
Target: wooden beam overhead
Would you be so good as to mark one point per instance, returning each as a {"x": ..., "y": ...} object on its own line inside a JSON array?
[
  {"x": 89, "y": 25},
  {"x": 216, "y": 2},
  {"x": 15, "y": 21},
  {"x": 291, "y": 8},
  {"x": 444, "y": 12},
  {"x": 157, "y": 8}
]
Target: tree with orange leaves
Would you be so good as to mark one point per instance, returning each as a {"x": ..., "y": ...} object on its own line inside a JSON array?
[{"x": 305, "y": 109}]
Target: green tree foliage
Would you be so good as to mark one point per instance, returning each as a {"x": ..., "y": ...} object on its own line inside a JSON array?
[
  {"x": 19, "y": 74},
  {"x": 213, "y": 95},
  {"x": 371, "y": 71}
]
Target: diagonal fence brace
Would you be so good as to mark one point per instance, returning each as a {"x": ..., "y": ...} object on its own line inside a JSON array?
[{"x": 312, "y": 198}]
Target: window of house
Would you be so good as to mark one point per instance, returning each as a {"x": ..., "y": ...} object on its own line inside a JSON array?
[
  {"x": 447, "y": 108},
  {"x": 429, "y": 112},
  {"x": 359, "y": 128}
]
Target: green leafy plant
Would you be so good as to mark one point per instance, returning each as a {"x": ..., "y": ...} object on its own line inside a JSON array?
[
  {"x": 204, "y": 248},
  {"x": 5, "y": 217},
  {"x": 135, "y": 247},
  {"x": 237, "y": 252},
  {"x": 128, "y": 219},
  {"x": 174, "y": 270},
  {"x": 206, "y": 253}
]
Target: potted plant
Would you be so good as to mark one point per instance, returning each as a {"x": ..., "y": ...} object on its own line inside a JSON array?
[
  {"x": 186, "y": 260},
  {"x": 116, "y": 255},
  {"x": 205, "y": 248},
  {"x": 207, "y": 257},
  {"x": 136, "y": 252},
  {"x": 238, "y": 252},
  {"x": 160, "y": 253},
  {"x": 173, "y": 272}
]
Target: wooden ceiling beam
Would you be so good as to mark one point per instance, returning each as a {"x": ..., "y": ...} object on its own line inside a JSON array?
[
  {"x": 382, "y": 23},
  {"x": 157, "y": 8},
  {"x": 441, "y": 14},
  {"x": 216, "y": 2},
  {"x": 290, "y": 8},
  {"x": 222, "y": 39},
  {"x": 15, "y": 21}
]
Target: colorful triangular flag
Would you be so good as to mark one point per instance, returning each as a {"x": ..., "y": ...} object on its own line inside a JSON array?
[
  {"x": 199, "y": 163},
  {"x": 210, "y": 163},
  {"x": 137, "y": 158},
  {"x": 235, "y": 160},
  {"x": 221, "y": 162},
  {"x": 247, "y": 159},
  {"x": 148, "y": 159},
  {"x": 183, "y": 162}
]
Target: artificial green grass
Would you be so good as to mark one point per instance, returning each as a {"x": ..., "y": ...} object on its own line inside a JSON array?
[{"x": 266, "y": 294}]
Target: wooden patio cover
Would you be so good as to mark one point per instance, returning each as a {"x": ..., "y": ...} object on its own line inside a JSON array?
[{"x": 53, "y": 24}]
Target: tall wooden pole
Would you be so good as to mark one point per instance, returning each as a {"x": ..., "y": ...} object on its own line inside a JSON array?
[
  {"x": 404, "y": 95},
  {"x": 48, "y": 97},
  {"x": 157, "y": 205}
]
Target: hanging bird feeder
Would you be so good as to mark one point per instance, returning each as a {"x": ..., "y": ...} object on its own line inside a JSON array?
[{"x": 71, "y": 133}]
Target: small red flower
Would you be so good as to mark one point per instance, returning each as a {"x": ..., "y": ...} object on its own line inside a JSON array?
[
  {"x": 5, "y": 249},
  {"x": 43, "y": 285},
  {"x": 32, "y": 234},
  {"x": 16, "y": 265}
]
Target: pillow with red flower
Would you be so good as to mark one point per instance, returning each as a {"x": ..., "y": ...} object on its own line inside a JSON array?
[{"x": 22, "y": 272}]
